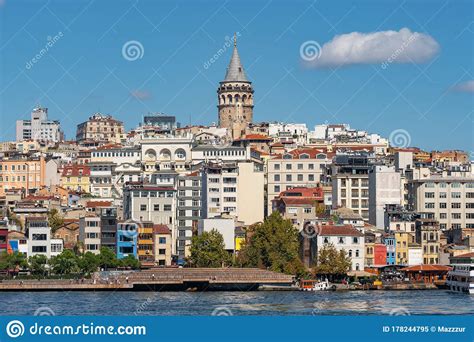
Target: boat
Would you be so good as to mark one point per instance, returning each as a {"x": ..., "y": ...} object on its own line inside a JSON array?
[
  {"x": 314, "y": 285},
  {"x": 461, "y": 277}
]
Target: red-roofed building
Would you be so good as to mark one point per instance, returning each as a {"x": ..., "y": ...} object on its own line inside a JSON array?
[
  {"x": 300, "y": 205},
  {"x": 343, "y": 237},
  {"x": 75, "y": 177},
  {"x": 427, "y": 273},
  {"x": 259, "y": 142}
]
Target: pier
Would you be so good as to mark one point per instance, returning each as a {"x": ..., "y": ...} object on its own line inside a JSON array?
[{"x": 159, "y": 279}]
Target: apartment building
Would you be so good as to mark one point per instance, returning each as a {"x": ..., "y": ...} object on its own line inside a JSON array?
[
  {"x": 38, "y": 233},
  {"x": 384, "y": 188},
  {"x": 188, "y": 210},
  {"x": 23, "y": 173},
  {"x": 90, "y": 234},
  {"x": 165, "y": 153},
  {"x": 236, "y": 189},
  {"x": 344, "y": 237},
  {"x": 162, "y": 245},
  {"x": 108, "y": 227},
  {"x": 449, "y": 198},
  {"x": 151, "y": 202},
  {"x": 39, "y": 127},
  {"x": 428, "y": 237},
  {"x": 350, "y": 183},
  {"x": 145, "y": 241},
  {"x": 127, "y": 239},
  {"x": 297, "y": 168},
  {"x": 76, "y": 177},
  {"x": 101, "y": 129}
]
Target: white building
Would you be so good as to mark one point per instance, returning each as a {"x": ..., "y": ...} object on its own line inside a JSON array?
[
  {"x": 57, "y": 246},
  {"x": 225, "y": 226},
  {"x": 166, "y": 153},
  {"x": 233, "y": 188},
  {"x": 384, "y": 188},
  {"x": 39, "y": 236},
  {"x": 344, "y": 237},
  {"x": 89, "y": 234},
  {"x": 39, "y": 127}
]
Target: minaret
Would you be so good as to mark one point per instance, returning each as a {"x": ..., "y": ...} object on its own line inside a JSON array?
[{"x": 235, "y": 97}]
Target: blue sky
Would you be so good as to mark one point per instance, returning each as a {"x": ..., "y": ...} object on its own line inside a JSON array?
[{"x": 424, "y": 90}]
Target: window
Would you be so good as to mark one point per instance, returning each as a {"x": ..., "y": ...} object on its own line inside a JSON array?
[
  {"x": 300, "y": 166},
  {"x": 311, "y": 178},
  {"x": 156, "y": 207},
  {"x": 288, "y": 178},
  {"x": 442, "y": 205},
  {"x": 326, "y": 240},
  {"x": 456, "y": 205},
  {"x": 442, "y": 195},
  {"x": 167, "y": 207},
  {"x": 357, "y": 253},
  {"x": 311, "y": 166},
  {"x": 429, "y": 205},
  {"x": 288, "y": 166},
  {"x": 308, "y": 210},
  {"x": 38, "y": 249},
  {"x": 276, "y": 167},
  {"x": 162, "y": 251},
  {"x": 355, "y": 240},
  {"x": 455, "y": 194},
  {"x": 300, "y": 178},
  {"x": 341, "y": 240},
  {"x": 276, "y": 178},
  {"x": 429, "y": 194},
  {"x": 142, "y": 207},
  {"x": 162, "y": 240},
  {"x": 277, "y": 188}
]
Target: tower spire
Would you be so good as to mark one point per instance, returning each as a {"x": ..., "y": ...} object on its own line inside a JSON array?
[{"x": 235, "y": 39}]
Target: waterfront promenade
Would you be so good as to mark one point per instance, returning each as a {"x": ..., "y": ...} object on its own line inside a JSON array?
[{"x": 158, "y": 279}]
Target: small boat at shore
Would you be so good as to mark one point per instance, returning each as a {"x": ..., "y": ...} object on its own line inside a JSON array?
[{"x": 314, "y": 285}]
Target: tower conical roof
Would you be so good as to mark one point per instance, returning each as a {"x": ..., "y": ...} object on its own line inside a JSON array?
[{"x": 235, "y": 70}]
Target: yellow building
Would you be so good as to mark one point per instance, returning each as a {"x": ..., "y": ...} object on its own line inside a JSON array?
[
  {"x": 22, "y": 173},
  {"x": 76, "y": 177},
  {"x": 162, "y": 246},
  {"x": 145, "y": 242},
  {"x": 403, "y": 239}
]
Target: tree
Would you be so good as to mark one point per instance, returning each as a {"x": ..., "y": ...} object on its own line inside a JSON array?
[
  {"x": 332, "y": 262},
  {"x": 130, "y": 261},
  {"x": 55, "y": 219},
  {"x": 12, "y": 262},
  {"x": 208, "y": 250},
  {"x": 64, "y": 263},
  {"x": 37, "y": 264},
  {"x": 273, "y": 244},
  {"x": 88, "y": 263},
  {"x": 107, "y": 258}
]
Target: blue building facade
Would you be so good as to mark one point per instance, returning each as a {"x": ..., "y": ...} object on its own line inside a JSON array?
[
  {"x": 389, "y": 241},
  {"x": 127, "y": 237}
]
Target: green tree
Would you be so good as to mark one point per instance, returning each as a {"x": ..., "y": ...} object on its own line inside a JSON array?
[
  {"x": 107, "y": 258},
  {"x": 273, "y": 244},
  {"x": 88, "y": 263},
  {"x": 37, "y": 264},
  {"x": 130, "y": 261},
  {"x": 11, "y": 262},
  {"x": 64, "y": 263},
  {"x": 332, "y": 262},
  {"x": 55, "y": 219},
  {"x": 208, "y": 250}
]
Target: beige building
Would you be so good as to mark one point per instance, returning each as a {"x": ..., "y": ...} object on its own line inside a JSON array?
[
  {"x": 449, "y": 199},
  {"x": 100, "y": 128},
  {"x": 89, "y": 234},
  {"x": 22, "y": 173},
  {"x": 296, "y": 168},
  {"x": 162, "y": 244},
  {"x": 428, "y": 236}
]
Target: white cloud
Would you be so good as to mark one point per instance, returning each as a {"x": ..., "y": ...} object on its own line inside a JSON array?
[
  {"x": 465, "y": 87},
  {"x": 402, "y": 46}
]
